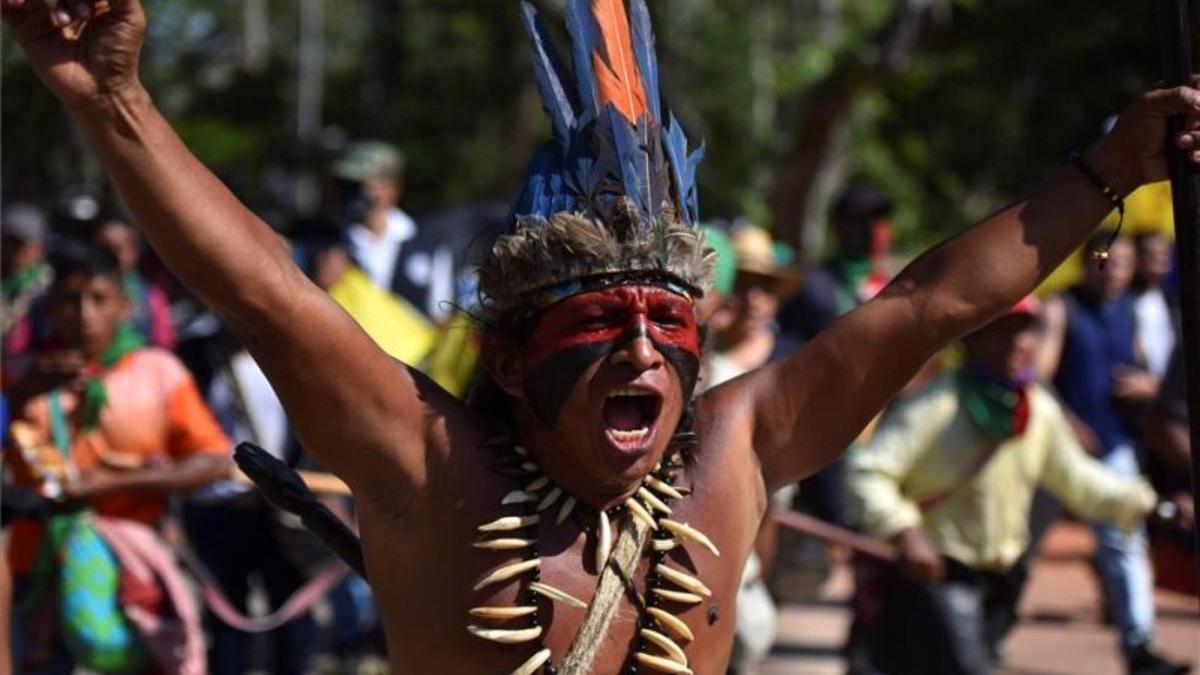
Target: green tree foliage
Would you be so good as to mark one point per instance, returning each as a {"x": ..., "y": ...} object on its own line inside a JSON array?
[{"x": 993, "y": 96}]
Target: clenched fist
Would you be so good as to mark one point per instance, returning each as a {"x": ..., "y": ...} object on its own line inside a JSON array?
[{"x": 85, "y": 51}]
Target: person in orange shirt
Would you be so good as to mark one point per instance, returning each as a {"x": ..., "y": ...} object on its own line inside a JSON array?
[{"x": 131, "y": 426}]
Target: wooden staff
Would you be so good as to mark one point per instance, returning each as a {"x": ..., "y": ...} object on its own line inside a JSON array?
[
  {"x": 1175, "y": 42},
  {"x": 859, "y": 543}
]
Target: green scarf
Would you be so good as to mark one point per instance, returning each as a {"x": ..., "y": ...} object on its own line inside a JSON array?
[
  {"x": 995, "y": 408},
  {"x": 853, "y": 272},
  {"x": 95, "y": 396},
  {"x": 17, "y": 283}
]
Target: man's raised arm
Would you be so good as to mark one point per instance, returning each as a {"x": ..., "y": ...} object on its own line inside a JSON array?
[
  {"x": 350, "y": 403},
  {"x": 808, "y": 407}
]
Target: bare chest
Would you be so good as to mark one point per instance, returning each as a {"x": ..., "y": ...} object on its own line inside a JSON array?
[{"x": 458, "y": 599}]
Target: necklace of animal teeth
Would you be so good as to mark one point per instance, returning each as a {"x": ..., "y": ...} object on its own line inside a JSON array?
[{"x": 660, "y": 632}]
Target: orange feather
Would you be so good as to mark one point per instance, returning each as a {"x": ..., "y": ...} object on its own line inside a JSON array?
[{"x": 617, "y": 80}]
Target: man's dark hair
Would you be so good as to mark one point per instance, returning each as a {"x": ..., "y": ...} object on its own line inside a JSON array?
[{"x": 72, "y": 256}]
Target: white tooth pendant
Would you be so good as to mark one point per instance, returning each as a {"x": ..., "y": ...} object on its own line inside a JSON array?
[
  {"x": 556, "y": 595},
  {"x": 565, "y": 510},
  {"x": 509, "y": 523},
  {"x": 506, "y": 572},
  {"x": 662, "y": 487},
  {"x": 504, "y": 544},
  {"x": 529, "y": 466},
  {"x": 672, "y": 623},
  {"x": 501, "y": 612},
  {"x": 508, "y": 637},
  {"x": 537, "y": 484},
  {"x": 674, "y": 651},
  {"x": 677, "y": 596},
  {"x": 531, "y": 666},
  {"x": 603, "y": 542},
  {"x": 550, "y": 498},
  {"x": 665, "y": 545},
  {"x": 683, "y": 580},
  {"x": 640, "y": 512},
  {"x": 684, "y": 531},
  {"x": 662, "y": 665},
  {"x": 653, "y": 502},
  {"x": 518, "y": 497},
  {"x": 520, "y": 450}
]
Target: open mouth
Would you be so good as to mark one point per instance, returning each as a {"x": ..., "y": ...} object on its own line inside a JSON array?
[{"x": 629, "y": 416}]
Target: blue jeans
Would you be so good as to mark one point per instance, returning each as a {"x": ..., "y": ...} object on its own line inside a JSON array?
[{"x": 1124, "y": 565}]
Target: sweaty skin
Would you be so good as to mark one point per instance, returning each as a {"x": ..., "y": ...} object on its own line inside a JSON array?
[{"x": 417, "y": 459}]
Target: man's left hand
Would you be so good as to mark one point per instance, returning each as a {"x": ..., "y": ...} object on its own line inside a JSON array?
[{"x": 1134, "y": 153}]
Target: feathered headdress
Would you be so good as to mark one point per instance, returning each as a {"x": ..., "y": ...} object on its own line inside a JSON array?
[{"x": 613, "y": 197}]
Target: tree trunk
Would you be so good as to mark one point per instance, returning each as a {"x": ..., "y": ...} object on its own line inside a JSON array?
[{"x": 815, "y": 166}]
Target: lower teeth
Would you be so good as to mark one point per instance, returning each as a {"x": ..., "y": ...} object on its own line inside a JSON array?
[{"x": 622, "y": 435}]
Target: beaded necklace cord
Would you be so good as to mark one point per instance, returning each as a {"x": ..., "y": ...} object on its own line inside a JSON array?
[{"x": 657, "y": 646}]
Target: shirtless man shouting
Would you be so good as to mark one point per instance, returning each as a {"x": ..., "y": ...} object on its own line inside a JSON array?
[{"x": 591, "y": 360}]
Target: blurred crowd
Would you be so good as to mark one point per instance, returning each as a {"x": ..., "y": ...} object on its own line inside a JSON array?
[{"x": 123, "y": 398}]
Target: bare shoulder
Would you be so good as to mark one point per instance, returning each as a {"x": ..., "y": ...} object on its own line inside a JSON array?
[
  {"x": 441, "y": 455},
  {"x": 725, "y": 462}
]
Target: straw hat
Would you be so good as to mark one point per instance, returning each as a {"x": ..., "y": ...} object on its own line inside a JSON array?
[{"x": 762, "y": 258}]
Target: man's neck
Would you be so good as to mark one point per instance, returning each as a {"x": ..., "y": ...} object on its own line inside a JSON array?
[{"x": 590, "y": 485}]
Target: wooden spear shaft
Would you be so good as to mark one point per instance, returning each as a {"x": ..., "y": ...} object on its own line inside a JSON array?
[{"x": 1175, "y": 42}]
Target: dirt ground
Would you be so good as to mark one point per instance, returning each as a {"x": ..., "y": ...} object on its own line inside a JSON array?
[{"x": 1060, "y": 633}]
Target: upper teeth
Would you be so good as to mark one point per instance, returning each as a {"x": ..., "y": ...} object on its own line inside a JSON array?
[{"x": 629, "y": 391}]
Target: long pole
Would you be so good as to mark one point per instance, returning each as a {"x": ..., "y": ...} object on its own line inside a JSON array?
[{"x": 1175, "y": 39}]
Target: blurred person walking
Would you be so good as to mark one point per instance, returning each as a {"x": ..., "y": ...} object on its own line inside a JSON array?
[
  {"x": 1153, "y": 306},
  {"x": 24, "y": 273},
  {"x": 1092, "y": 353},
  {"x": 128, "y": 431},
  {"x": 382, "y": 239},
  {"x": 949, "y": 477},
  {"x": 150, "y": 308}
]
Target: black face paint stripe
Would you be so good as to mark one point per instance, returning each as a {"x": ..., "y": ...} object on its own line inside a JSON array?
[
  {"x": 547, "y": 390},
  {"x": 686, "y": 365}
]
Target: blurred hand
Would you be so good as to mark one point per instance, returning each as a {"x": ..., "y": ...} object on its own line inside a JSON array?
[
  {"x": 54, "y": 369},
  {"x": 1084, "y": 434},
  {"x": 919, "y": 558},
  {"x": 1134, "y": 153},
  {"x": 1134, "y": 385},
  {"x": 83, "y": 50},
  {"x": 94, "y": 483}
]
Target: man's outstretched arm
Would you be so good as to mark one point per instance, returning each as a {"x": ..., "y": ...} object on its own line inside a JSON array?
[
  {"x": 807, "y": 408},
  {"x": 351, "y": 404}
]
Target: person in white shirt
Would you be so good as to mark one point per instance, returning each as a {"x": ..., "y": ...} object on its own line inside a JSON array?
[
  {"x": 1155, "y": 325},
  {"x": 384, "y": 240}
]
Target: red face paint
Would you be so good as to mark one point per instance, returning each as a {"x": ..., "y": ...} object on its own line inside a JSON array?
[
  {"x": 615, "y": 315},
  {"x": 580, "y": 330}
]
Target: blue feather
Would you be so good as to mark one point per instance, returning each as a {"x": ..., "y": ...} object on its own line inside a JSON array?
[
  {"x": 584, "y": 36},
  {"x": 631, "y": 158},
  {"x": 548, "y": 72},
  {"x": 676, "y": 146},
  {"x": 643, "y": 48},
  {"x": 693, "y": 192}
]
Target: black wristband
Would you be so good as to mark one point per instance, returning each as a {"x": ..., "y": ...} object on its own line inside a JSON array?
[{"x": 1100, "y": 255}]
